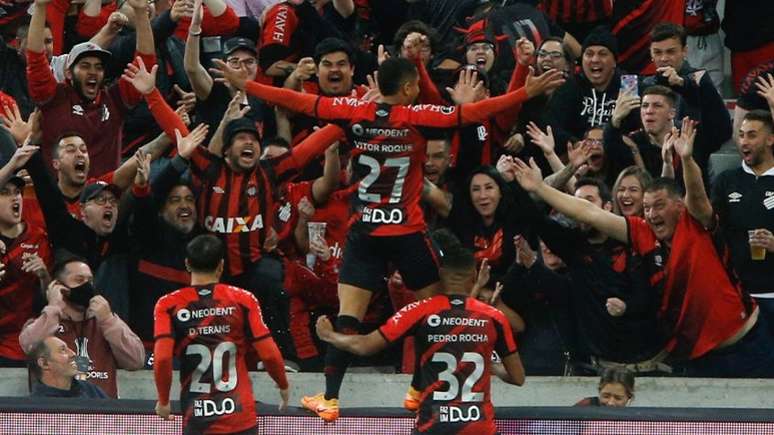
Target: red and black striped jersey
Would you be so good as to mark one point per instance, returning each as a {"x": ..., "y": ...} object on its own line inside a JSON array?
[
  {"x": 213, "y": 327},
  {"x": 239, "y": 206},
  {"x": 454, "y": 338},
  {"x": 388, "y": 148},
  {"x": 18, "y": 289}
]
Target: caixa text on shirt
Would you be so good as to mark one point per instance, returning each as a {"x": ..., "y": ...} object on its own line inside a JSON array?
[{"x": 238, "y": 224}]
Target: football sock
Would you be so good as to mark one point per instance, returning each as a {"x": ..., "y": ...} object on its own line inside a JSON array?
[{"x": 336, "y": 360}]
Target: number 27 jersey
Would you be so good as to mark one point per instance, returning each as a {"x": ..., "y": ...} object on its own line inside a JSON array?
[
  {"x": 454, "y": 338},
  {"x": 213, "y": 326}
]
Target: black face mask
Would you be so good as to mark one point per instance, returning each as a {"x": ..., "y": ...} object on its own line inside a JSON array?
[{"x": 82, "y": 294}]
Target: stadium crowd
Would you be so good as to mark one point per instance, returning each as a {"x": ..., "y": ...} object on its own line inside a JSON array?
[{"x": 567, "y": 143}]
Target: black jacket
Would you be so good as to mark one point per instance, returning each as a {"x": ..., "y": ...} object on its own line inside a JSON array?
[
  {"x": 13, "y": 77},
  {"x": 77, "y": 389},
  {"x": 576, "y": 106},
  {"x": 158, "y": 253},
  {"x": 699, "y": 100}
]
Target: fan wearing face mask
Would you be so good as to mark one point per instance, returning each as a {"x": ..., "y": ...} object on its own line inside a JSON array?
[{"x": 78, "y": 315}]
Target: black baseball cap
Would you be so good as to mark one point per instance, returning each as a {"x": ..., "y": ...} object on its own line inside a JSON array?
[
  {"x": 92, "y": 190},
  {"x": 239, "y": 43},
  {"x": 238, "y": 126},
  {"x": 17, "y": 180}
]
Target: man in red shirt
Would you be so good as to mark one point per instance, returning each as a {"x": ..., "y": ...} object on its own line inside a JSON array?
[
  {"x": 455, "y": 336},
  {"x": 388, "y": 223},
  {"x": 83, "y": 103},
  {"x": 211, "y": 327},
  {"x": 25, "y": 256},
  {"x": 713, "y": 326}
]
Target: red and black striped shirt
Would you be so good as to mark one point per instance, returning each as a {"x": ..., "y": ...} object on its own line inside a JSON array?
[{"x": 454, "y": 338}]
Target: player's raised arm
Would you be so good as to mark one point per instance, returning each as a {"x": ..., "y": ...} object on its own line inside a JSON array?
[{"x": 363, "y": 345}]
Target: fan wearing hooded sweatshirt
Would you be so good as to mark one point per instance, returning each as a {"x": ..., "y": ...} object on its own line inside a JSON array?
[{"x": 588, "y": 100}]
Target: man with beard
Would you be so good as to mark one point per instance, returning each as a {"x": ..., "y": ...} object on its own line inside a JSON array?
[
  {"x": 697, "y": 97},
  {"x": 712, "y": 327},
  {"x": 163, "y": 224},
  {"x": 613, "y": 305},
  {"x": 589, "y": 100},
  {"x": 24, "y": 260},
  {"x": 80, "y": 316},
  {"x": 83, "y": 103},
  {"x": 657, "y": 114},
  {"x": 237, "y": 200},
  {"x": 214, "y": 96},
  {"x": 743, "y": 198}
]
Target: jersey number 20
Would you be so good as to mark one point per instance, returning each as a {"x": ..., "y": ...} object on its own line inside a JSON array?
[
  {"x": 216, "y": 359},
  {"x": 454, "y": 385}
]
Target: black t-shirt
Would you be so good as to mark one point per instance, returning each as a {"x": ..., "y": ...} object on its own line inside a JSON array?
[
  {"x": 744, "y": 202},
  {"x": 748, "y": 92},
  {"x": 211, "y": 110},
  {"x": 747, "y": 24}
]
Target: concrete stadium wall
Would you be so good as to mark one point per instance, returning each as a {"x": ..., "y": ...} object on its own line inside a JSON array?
[{"x": 387, "y": 390}]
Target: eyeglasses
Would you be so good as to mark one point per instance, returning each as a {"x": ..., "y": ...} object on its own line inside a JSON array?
[
  {"x": 104, "y": 200},
  {"x": 551, "y": 54},
  {"x": 234, "y": 62}
]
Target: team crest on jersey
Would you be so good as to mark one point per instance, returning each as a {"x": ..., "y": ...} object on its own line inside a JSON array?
[
  {"x": 218, "y": 189},
  {"x": 183, "y": 315},
  {"x": 77, "y": 110},
  {"x": 734, "y": 197},
  {"x": 251, "y": 191}
]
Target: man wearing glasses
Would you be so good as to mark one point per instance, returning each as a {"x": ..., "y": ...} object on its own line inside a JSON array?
[{"x": 239, "y": 53}]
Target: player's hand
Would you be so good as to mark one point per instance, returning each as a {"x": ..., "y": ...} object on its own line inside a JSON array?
[
  {"x": 615, "y": 307},
  {"x": 271, "y": 241},
  {"x": 237, "y": 78},
  {"x": 180, "y": 9},
  {"x": 468, "y": 88},
  {"x": 529, "y": 176},
  {"x": 164, "y": 411},
  {"x": 373, "y": 92},
  {"x": 623, "y": 107},
  {"x": 139, "y": 76},
  {"x": 546, "y": 82},
  {"x": 99, "y": 308},
  {"x": 324, "y": 328},
  {"x": 235, "y": 109},
  {"x": 671, "y": 75},
  {"x": 284, "y": 399},
  {"x": 414, "y": 44}
]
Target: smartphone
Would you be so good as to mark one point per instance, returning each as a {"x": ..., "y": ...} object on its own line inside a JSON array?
[{"x": 629, "y": 85}]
